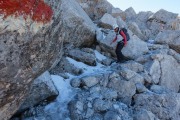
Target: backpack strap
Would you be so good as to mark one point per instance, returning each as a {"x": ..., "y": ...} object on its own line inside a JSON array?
[{"x": 124, "y": 36}]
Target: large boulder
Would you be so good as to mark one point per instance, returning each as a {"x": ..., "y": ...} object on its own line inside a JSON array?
[
  {"x": 141, "y": 21},
  {"x": 78, "y": 28},
  {"x": 157, "y": 22},
  {"x": 130, "y": 14},
  {"x": 116, "y": 12},
  {"x": 29, "y": 45},
  {"x": 135, "y": 29},
  {"x": 42, "y": 89},
  {"x": 172, "y": 38},
  {"x": 122, "y": 87},
  {"x": 164, "y": 16},
  {"x": 164, "y": 106},
  {"x": 153, "y": 68},
  {"x": 160, "y": 89},
  {"x": 142, "y": 18},
  {"x": 95, "y": 8},
  {"x": 166, "y": 71},
  {"x": 107, "y": 21},
  {"x": 121, "y": 23},
  {"x": 144, "y": 115},
  {"x": 104, "y": 41},
  {"x": 83, "y": 56},
  {"x": 174, "y": 54},
  {"x": 173, "y": 24},
  {"x": 65, "y": 66},
  {"x": 135, "y": 48},
  {"x": 134, "y": 66},
  {"x": 170, "y": 70}
]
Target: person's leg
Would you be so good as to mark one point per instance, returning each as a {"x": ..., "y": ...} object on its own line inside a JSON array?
[{"x": 119, "y": 54}]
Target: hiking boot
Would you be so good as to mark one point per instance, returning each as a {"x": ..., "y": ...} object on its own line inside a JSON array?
[{"x": 126, "y": 58}]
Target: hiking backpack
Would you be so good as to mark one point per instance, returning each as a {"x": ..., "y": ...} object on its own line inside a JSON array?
[{"x": 126, "y": 33}]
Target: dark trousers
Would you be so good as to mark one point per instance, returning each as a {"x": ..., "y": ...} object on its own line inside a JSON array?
[{"x": 119, "y": 54}]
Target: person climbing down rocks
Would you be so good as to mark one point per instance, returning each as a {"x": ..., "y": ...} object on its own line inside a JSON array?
[{"x": 120, "y": 43}]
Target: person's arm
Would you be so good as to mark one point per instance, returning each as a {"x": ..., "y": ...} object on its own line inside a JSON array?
[
  {"x": 114, "y": 39},
  {"x": 124, "y": 37}
]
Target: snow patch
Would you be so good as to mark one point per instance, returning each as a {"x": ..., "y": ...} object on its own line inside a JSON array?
[
  {"x": 58, "y": 109},
  {"x": 87, "y": 69}
]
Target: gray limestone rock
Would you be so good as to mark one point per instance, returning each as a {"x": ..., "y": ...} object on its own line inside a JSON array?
[
  {"x": 160, "y": 89},
  {"x": 30, "y": 48},
  {"x": 95, "y": 8},
  {"x": 143, "y": 114},
  {"x": 90, "y": 81},
  {"x": 170, "y": 70},
  {"x": 111, "y": 115},
  {"x": 107, "y": 21},
  {"x": 41, "y": 89},
  {"x": 153, "y": 68},
  {"x": 172, "y": 38},
  {"x": 163, "y": 106},
  {"x": 122, "y": 87},
  {"x": 82, "y": 56}
]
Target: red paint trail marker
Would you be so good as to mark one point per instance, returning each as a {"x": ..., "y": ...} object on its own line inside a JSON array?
[{"x": 37, "y": 10}]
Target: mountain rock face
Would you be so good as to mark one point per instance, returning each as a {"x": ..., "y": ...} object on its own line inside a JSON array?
[{"x": 29, "y": 45}]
